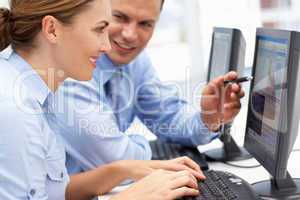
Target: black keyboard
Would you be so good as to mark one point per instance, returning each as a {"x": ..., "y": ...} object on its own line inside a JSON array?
[
  {"x": 220, "y": 185},
  {"x": 164, "y": 151}
]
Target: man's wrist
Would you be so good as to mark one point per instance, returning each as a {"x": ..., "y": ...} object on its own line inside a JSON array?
[
  {"x": 214, "y": 127},
  {"x": 210, "y": 123}
]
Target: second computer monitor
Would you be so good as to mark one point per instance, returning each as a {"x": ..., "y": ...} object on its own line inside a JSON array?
[{"x": 227, "y": 52}]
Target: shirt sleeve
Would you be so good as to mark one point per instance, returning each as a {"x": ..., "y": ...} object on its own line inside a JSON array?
[
  {"x": 89, "y": 130},
  {"x": 170, "y": 117},
  {"x": 22, "y": 155}
]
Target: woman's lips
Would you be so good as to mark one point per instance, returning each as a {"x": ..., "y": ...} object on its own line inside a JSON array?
[{"x": 93, "y": 60}]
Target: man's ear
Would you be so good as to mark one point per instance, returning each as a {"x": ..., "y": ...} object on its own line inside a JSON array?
[{"x": 50, "y": 28}]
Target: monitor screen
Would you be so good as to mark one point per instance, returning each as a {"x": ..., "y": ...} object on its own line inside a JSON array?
[
  {"x": 220, "y": 55},
  {"x": 267, "y": 97}
]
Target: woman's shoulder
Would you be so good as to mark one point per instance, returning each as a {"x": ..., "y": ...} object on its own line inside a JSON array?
[{"x": 8, "y": 73}]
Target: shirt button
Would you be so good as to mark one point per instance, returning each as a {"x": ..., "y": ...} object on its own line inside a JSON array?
[
  {"x": 32, "y": 192},
  {"x": 62, "y": 175}
]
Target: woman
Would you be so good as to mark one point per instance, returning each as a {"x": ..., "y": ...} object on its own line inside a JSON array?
[{"x": 53, "y": 40}]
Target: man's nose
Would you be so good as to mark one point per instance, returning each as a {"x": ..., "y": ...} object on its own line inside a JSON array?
[{"x": 129, "y": 32}]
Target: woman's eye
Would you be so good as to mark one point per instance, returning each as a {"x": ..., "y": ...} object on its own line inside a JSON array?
[{"x": 100, "y": 29}]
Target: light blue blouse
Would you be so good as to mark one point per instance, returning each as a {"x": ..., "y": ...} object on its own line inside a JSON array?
[{"x": 32, "y": 157}]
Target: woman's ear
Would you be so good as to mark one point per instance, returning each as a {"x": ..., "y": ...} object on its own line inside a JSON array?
[{"x": 50, "y": 28}]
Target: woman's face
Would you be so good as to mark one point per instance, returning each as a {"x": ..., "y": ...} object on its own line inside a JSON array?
[{"x": 82, "y": 42}]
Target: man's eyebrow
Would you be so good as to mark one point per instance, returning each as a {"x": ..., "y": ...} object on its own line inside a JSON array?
[
  {"x": 150, "y": 20},
  {"x": 119, "y": 13}
]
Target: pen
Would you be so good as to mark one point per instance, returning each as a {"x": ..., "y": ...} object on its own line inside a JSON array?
[{"x": 240, "y": 80}]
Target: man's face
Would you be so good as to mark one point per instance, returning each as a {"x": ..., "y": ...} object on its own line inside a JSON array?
[{"x": 131, "y": 28}]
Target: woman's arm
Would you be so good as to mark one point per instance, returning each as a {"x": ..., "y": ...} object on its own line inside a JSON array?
[
  {"x": 101, "y": 180},
  {"x": 86, "y": 185},
  {"x": 159, "y": 185}
]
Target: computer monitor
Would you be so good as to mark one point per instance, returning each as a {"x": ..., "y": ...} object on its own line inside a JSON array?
[
  {"x": 274, "y": 109},
  {"x": 228, "y": 48},
  {"x": 227, "y": 53}
]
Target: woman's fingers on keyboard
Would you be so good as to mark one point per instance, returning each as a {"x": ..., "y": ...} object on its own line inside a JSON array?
[
  {"x": 184, "y": 191},
  {"x": 180, "y": 167},
  {"x": 184, "y": 178},
  {"x": 188, "y": 162},
  {"x": 192, "y": 164},
  {"x": 185, "y": 163}
]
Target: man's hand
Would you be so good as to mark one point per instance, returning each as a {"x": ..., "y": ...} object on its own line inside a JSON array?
[{"x": 220, "y": 103}]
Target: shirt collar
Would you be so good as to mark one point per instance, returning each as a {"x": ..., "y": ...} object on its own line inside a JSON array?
[
  {"x": 30, "y": 78},
  {"x": 105, "y": 69},
  {"x": 6, "y": 53}
]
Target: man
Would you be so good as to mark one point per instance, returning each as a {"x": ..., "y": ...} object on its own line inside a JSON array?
[{"x": 93, "y": 117}]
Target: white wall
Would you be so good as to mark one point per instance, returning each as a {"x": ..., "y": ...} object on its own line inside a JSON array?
[
  {"x": 4, "y": 3},
  {"x": 242, "y": 14}
]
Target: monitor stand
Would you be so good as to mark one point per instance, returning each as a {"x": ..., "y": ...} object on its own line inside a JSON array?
[
  {"x": 284, "y": 189},
  {"x": 230, "y": 150}
]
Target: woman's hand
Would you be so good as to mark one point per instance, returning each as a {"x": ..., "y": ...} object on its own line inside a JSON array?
[
  {"x": 162, "y": 185},
  {"x": 138, "y": 169}
]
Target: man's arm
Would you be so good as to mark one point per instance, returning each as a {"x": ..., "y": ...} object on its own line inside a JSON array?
[
  {"x": 167, "y": 115},
  {"x": 89, "y": 129},
  {"x": 171, "y": 118}
]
